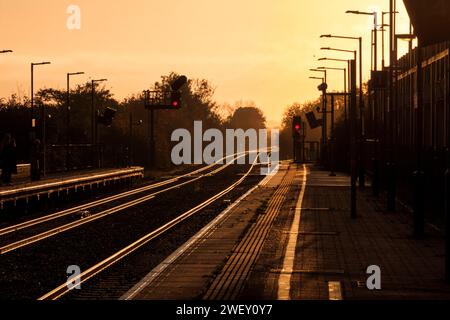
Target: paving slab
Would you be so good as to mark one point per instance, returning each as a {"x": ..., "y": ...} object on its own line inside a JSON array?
[{"x": 331, "y": 249}]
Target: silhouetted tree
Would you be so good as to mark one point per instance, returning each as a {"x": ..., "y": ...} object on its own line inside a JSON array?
[
  {"x": 246, "y": 116},
  {"x": 198, "y": 105}
]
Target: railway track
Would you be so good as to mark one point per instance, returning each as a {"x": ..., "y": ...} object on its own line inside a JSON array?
[
  {"x": 169, "y": 184},
  {"x": 139, "y": 244}
]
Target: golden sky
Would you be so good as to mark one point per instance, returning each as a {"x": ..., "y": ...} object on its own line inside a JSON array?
[{"x": 258, "y": 50}]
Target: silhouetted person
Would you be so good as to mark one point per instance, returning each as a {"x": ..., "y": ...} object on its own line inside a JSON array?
[
  {"x": 8, "y": 159},
  {"x": 36, "y": 160}
]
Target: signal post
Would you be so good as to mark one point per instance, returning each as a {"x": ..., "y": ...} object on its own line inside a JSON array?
[
  {"x": 162, "y": 100},
  {"x": 298, "y": 137}
]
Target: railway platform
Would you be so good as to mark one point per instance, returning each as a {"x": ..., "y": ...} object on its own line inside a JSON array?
[
  {"x": 24, "y": 189},
  {"x": 292, "y": 238}
]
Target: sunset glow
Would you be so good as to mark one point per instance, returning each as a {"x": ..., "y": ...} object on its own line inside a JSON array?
[{"x": 259, "y": 50}]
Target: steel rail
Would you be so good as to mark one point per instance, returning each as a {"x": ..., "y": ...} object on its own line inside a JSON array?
[
  {"x": 69, "y": 226},
  {"x": 99, "y": 202},
  {"x": 99, "y": 267}
]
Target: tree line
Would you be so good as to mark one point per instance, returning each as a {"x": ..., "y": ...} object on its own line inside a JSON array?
[{"x": 120, "y": 146}]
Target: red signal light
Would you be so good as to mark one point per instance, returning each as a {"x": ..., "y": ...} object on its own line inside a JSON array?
[
  {"x": 175, "y": 99},
  {"x": 297, "y": 127}
]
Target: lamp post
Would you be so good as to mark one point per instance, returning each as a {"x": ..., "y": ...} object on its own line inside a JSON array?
[
  {"x": 375, "y": 33},
  {"x": 332, "y": 59},
  {"x": 340, "y": 50},
  {"x": 33, "y": 120},
  {"x": 345, "y": 85},
  {"x": 338, "y": 60},
  {"x": 418, "y": 174},
  {"x": 332, "y": 112},
  {"x": 383, "y": 61},
  {"x": 68, "y": 117},
  {"x": 361, "y": 98},
  {"x": 34, "y": 154},
  {"x": 361, "y": 111},
  {"x": 390, "y": 166},
  {"x": 94, "y": 124},
  {"x": 345, "y": 77},
  {"x": 345, "y": 97},
  {"x": 374, "y": 58},
  {"x": 320, "y": 70},
  {"x": 361, "y": 101}
]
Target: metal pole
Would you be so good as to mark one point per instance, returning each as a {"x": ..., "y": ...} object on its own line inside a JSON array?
[
  {"x": 152, "y": 137},
  {"x": 353, "y": 133},
  {"x": 346, "y": 109},
  {"x": 32, "y": 101},
  {"x": 375, "y": 162},
  {"x": 44, "y": 140},
  {"x": 390, "y": 166},
  {"x": 93, "y": 122},
  {"x": 361, "y": 111},
  {"x": 323, "y": 131},
  {"x": 332, "y": 165},
  {"x": 447, "y": 195},
  {"x": 130, "y": 152},
  {"x": 294, "y": 149},
  {"x": 67, "y": 122},
  {"x": 345, "y": 97},
  {"x": 97, "y": 143},
  {"x": 446, "y": 178},
  {"x": 410, "y": 44},
  {"x": 33, "y": 132},
  {"x": 324, "y": 126},
  {"x": 32, "y": 136},
  {"x": 419, "y": 175},
  {"x": 375, "y": 42},
  {"x": 447, "y": 221},
  {"x": 371, "y": 50},
  {"x": 303, "y": 159},
  {"x": 325, "y": 118},
  {"x": 95, "y": 128},
  {"x": 383, "y": 62},
  {"x": 92, "y": 113}
]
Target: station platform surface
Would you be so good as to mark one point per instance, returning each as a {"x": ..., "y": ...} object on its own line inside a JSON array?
[
  {"x": 24, "y": 188},
  {"x": 292, "y": 238}
]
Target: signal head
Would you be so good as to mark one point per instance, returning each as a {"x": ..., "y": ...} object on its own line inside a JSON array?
[
  {"x": 178, "y": 83},
  {"x": 175, "y": 99}
]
